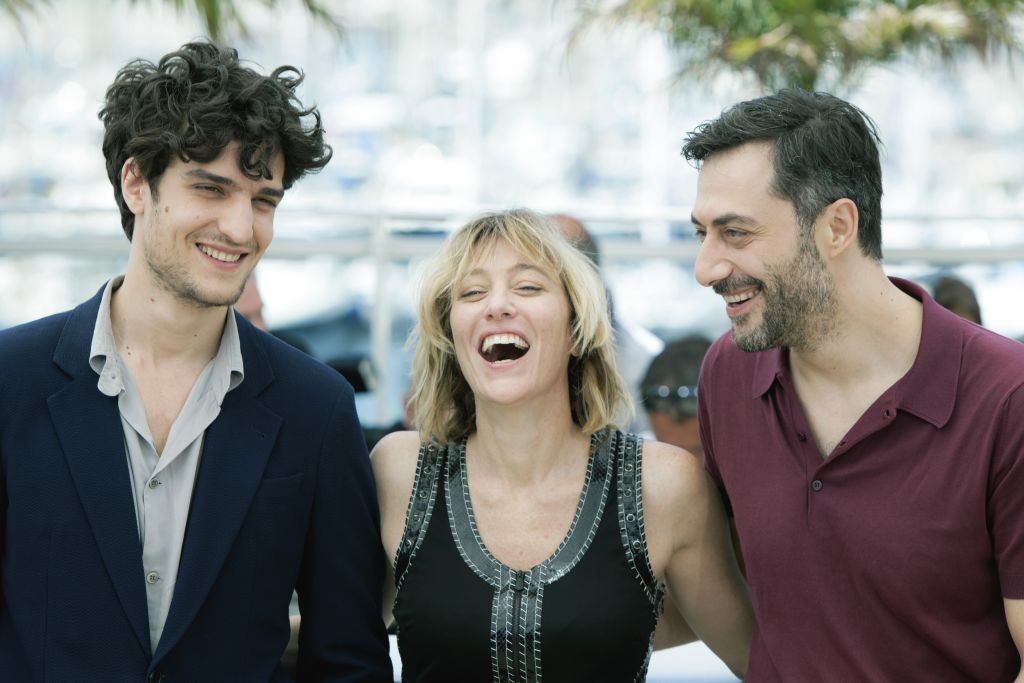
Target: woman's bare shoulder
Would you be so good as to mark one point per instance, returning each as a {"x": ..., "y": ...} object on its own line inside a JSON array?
[
  {"x": 674, "y": 480},
  {"x": 396, "y": 445},
  {"x": 394, "y": 460},
  {"x": 665, "y": 461}
]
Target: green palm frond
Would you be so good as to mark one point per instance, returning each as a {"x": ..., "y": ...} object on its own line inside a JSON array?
[
  {"x": 16, "y": 10},
  {"x": 804, "y": 42},
  {"x": 225, "y": 16},
  {"x": 220, "y": 17}
]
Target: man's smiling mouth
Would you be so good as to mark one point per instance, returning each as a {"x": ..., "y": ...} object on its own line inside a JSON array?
[
  {"x": 740, "y": 298},
  {"x": 219, "y": 255}
]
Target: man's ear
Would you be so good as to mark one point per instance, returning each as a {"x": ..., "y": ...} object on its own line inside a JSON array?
[
  {"x": 134, "y": 187},
  {"x": 841, "y": 220}
]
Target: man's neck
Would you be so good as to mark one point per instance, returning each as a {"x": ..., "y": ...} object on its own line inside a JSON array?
[
  {"x": 877, "y": 335},
  {"x": 149, "y": 322}
]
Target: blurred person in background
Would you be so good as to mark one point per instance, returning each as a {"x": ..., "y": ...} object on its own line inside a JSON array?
[
  {"x": 169, "y": 473},
  {"x": 869, "y": 443},
  {"x": 250, "y": 303},
  {"x": 404, "y": 423},
  {"x": 529, "y": 536},
  {"x": 956, "y": 295},
  {"x": 250, "y": 306},
  {"x": 669, "y": 392},
  {"x": 634, "y": 346}
]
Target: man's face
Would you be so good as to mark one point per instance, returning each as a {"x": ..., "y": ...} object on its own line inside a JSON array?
[
  {"x": 777, "y": 288},
  {"x": 204, "y": 228}
]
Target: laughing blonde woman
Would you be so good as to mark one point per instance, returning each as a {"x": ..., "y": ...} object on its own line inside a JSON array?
[{"x": 528, "y": 537}]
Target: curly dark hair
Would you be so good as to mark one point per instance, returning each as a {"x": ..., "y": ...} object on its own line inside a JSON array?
[
  {"x": 195, "y": 102},
  {"x": 823, "y": 149}
]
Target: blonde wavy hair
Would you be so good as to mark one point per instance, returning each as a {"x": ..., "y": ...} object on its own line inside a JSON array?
[{"x": 441, "y": 400}]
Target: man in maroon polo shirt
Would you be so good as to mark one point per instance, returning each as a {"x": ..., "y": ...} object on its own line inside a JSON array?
[{"x": 870, "y": 443}]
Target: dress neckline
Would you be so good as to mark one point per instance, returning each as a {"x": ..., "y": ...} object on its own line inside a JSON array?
[{"x": 589, "y": 510}]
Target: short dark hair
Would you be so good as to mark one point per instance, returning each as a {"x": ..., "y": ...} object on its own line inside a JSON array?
[
  {"x": 579, "y": 236},
  {"x": 956, "y": 295},
  {"x": 195, "y": 102},
  {"x": 670, "y": 384},
  {"x": 823, "y": 149}
]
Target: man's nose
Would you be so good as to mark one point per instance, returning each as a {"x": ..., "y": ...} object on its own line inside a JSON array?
[
  {"x": 711, "y": 265},
  {"x": 236, "y": 223}
]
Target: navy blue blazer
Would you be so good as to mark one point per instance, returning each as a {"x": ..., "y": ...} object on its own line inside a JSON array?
[{"x": 284, "y": 499}]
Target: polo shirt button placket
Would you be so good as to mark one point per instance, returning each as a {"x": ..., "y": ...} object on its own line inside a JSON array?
[{"x": 817, "y": 485}]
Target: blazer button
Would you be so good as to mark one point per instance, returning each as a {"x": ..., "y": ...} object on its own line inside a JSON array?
[{"x": 155, "y": 676}]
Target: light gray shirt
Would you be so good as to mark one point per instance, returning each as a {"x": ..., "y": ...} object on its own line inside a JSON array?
[{"x": 162, "y": 483}]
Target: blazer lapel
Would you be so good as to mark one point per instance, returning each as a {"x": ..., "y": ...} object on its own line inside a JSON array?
[
  {"x": 88, "y": 426},
  {"x": 235, "y": 452}
]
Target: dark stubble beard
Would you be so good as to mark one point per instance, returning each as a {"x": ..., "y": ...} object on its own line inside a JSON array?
[{"x": 798, "y": 303}]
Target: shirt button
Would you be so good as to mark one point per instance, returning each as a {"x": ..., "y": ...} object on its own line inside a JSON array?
[
  {"x": 817, "y": 485},
  {"x": 800, "y": 436},
  {"x": 152, "y": 578},
  {"x": 888, "y": 412},
  {"x": 153, "y": 483}
]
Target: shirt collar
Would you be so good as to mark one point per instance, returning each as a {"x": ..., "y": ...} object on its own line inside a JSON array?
[
  {"x": 103, "y": 358},
  {"x": 768, "y": 366},
  {"x": 227, "y": 372},
  {"x": 228, "y": 369},
  {"x": 928, "y": 390}
]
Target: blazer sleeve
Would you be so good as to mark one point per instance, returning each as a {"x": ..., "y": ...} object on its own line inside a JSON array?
[
  {"x": 3, "y": 525},
  {"x": 342, "y": 636}
]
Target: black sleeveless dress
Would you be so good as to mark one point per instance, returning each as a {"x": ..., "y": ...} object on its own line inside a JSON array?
[{"x": 587, "y": 613}]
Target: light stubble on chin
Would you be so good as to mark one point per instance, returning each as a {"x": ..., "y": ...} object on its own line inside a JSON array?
[{"x": 177, "y": 281}]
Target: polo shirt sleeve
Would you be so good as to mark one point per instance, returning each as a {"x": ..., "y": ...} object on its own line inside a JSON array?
[
  {"x": 1006, "y": 496},
  {"x": 705, "y": 398}
]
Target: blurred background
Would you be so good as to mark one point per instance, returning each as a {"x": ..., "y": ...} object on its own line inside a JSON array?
[{"x": 441, "y": 109}]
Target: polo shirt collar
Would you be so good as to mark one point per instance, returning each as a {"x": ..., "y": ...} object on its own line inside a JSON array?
[
  {"x": 928, "y": 390},
  {"x": 769, "y": 366}
]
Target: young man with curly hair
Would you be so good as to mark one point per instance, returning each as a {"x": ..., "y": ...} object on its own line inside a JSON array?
[{"x": 169, "y": 474}]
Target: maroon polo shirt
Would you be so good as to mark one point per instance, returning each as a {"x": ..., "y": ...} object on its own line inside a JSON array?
[{"x": 889, "y": 560}]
